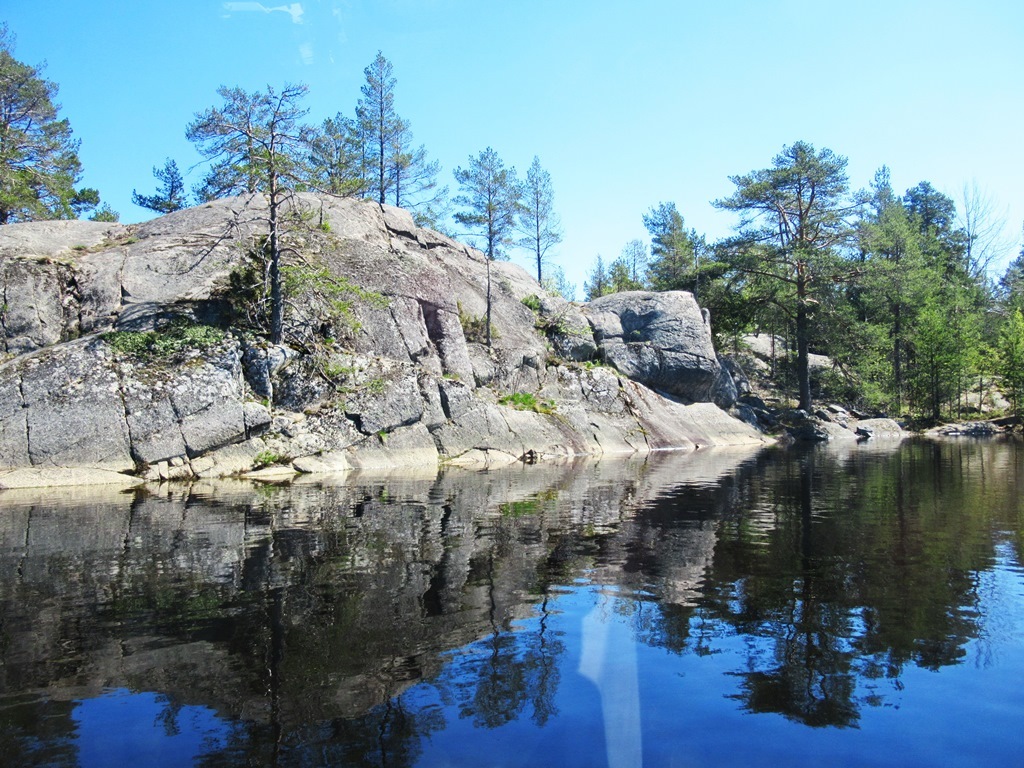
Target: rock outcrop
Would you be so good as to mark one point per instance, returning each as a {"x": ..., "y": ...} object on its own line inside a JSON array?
[
  {"x": 404, "y": 380},
  {"x": 659, "y": 339}
]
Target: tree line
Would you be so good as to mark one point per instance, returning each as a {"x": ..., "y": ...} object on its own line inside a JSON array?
[
  {"x": 894, "y": 288},
  {"x": 258, "y": 143}
]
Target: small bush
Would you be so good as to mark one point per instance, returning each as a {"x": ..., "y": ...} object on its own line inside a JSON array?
[
  {"x": 334, "y": 370},
  {"x": 165, "y": 342},
  {"x": 532, "y": 302},
  {"x": 475, "y": 328},
  {"x": 267, "y": 458}
]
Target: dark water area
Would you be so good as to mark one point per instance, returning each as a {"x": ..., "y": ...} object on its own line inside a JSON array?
[{"x": 838, "y": 606}]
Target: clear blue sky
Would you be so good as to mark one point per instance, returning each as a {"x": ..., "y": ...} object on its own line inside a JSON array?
[{"x": 626, "y": 103}]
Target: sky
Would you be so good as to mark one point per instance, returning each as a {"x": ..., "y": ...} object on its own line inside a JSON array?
[{"x": 626, "y": 103}]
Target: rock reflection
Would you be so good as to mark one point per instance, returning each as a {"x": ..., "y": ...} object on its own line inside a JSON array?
[{"x": 304, "y": 614}]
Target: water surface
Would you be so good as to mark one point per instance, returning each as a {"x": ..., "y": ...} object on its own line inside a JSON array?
[{"x": 852, "y": 606}]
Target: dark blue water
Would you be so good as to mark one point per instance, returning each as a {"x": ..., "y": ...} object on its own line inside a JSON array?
[{"x": 862, "y": 606}]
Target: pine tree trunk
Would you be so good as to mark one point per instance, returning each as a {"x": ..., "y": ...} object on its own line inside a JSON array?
[
  {"x": 802, "y": 366},
  {"x": 276, "y": 296},
  {"x": 488, "y": 301}
]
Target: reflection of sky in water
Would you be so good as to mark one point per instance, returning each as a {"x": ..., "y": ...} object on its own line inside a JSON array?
[
  {"x": 121, "y": 728},
  {"x": 621, "y": 702},
  {"x": 804, "y": 611}
]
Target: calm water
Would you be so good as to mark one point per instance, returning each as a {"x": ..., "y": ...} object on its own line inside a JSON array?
[{"x": 855, "y": 607}]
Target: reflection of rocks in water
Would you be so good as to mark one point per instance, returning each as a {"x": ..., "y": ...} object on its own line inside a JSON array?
[
  {"x": 293, "y": 605},
  {"x": 336, "y": 596}
]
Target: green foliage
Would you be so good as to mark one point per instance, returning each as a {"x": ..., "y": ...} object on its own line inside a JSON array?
[
  {"x": 475, "y": 328},
  {"x": 532, "y": 302},
  {"x": 794, "y": 217},
  {"x": 1011, "y": 349},
  {"x": 105, "y": 213},
  {"x": 165, "y": 342},
  {"x": 527, "y": 401},
  {"x": 267, "y": 458},
  {"x": 256, "y": 143},
  {"x": 490, "y": 195},
  {"x": 675, "y": 251},
  {"x": 538, "y": 222},
  {"x": 316, "y": 299},
  {"x": 335, "y": 370},
  {"x": 171, "y": 196},
  {"x": 253, "y": 140},
  {"x": 337, "y": 292},
  {"x": 556, "y": 283},
  {"x": 337, "y": 163},
  {"x": 1011, "y": 285},
  {"x": 39, "y": 163},
  {"x": 392, "y": 168},
  {"x": 945, "y": 338},
  {"x": 523, "y": 508},
  {"x": 620, "y": 279},
  {"x": 597, "y": 283}
]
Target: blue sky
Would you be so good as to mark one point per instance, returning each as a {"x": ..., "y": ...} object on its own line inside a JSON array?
[{"x": 627, "y": 104}]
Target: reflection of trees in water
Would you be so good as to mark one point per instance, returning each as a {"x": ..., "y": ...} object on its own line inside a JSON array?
[
  {"x": 332, "y": 604},
  {"x": 806, "y": 672},
  {"x": 840, "y": 573},
  {"x": 493, "y": 680}
]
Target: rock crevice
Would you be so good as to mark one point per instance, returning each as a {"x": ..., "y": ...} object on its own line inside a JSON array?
[{"x": 412, "y": 388}]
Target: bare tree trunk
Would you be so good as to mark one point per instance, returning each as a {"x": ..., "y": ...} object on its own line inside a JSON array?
[
  {"x": 276, "y": 297},
  {"x": 802, "y": 366},
  {"x": 897, "y": 355},
  {"x": 488, "y": 301}
]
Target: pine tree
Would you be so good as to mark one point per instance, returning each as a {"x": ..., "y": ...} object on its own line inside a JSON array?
[
  {"x": 490, "y": 195},
  {"x": 39, "y": 165},
  {"x": 255, "y": 142},
  {"x": 337, "y": 162},
  {"x": 379, "y": 126},
  {"x": 170, "y": 196},
  {"x": 793, "y": 220},
  {"x": 538, "y": 221},
  {"x": 598, "y": 283}
]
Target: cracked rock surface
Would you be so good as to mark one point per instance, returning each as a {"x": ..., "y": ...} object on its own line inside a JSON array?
[{"x": 629, "y": 373}]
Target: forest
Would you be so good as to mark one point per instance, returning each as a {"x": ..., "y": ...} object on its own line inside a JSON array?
[{"x": 898, "y": 290}]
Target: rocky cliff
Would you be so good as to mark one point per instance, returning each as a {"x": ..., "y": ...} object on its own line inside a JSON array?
[{"x": 131, "y": 352}]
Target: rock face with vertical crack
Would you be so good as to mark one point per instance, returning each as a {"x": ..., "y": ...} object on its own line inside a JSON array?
[
  {"x": 408, "y": 382},
  {"x": 657, "y": 339}
]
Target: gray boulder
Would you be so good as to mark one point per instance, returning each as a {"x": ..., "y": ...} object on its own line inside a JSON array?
[
  {"x": 658, "y": 339},
  {"x": 725, "y": 392}
]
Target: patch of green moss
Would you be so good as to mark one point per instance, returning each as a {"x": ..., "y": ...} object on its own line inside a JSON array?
[{"x": 164, "y": 342}]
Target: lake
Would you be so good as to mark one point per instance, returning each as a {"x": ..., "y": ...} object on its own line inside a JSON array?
[{"x": 857, "y": 605}]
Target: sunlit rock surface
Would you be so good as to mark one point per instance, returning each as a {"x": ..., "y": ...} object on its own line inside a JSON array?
[{"x": 406, "y": 386}]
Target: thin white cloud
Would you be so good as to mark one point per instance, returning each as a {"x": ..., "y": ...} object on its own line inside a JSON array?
[
  {"x": 306, "y": 53},
  {"x": 294, "y": 10}
]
